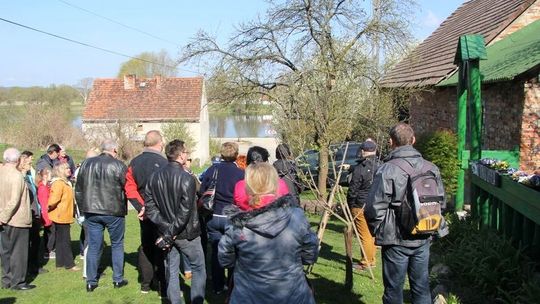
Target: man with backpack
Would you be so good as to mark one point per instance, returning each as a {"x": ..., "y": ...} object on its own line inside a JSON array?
[
  {"x": 403, "y": 212},
  {"x": 361, "y": 178}
]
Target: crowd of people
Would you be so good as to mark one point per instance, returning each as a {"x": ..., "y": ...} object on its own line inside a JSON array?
[{"x": 258, "y": 236}]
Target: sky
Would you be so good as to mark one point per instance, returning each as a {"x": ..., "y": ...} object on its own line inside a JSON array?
[{"x": 29, "y": 58}]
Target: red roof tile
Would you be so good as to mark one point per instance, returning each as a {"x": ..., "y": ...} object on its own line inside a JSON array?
[
  {"x": 433, "y": 59},
  {"x": 145, "y": 99}
]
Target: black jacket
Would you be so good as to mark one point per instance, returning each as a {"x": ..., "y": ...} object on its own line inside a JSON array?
[
  {"x": 387, "y": 193},
  {"x": 139, "y": 171},
  {"x": 100, "y": 186},
  {"x": 44, "y": 162},
  {"x": 289, "y": 173},
  {"x": 361, "y": 179},
  {"x": 170, "y": 203}
]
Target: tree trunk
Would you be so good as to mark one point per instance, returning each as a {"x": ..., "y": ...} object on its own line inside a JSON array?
[{"x": 323, "y": 171}]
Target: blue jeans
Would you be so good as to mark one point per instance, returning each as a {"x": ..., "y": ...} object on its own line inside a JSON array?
[
  {"x": 95, "y": 224},
  {"x": 398, "y": 261},
  {"x": 194, "y": 253},
  {"x": 216, "y": 229}
]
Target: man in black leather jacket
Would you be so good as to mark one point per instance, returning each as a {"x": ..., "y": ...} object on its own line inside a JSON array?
[
  {"x": 170, "y": 203},
  {"x": 402, "y": 253},
  {"x": 100, "y": 195}
]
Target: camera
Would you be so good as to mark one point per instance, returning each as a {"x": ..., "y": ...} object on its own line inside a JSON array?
[{"x": 162, "y": 243}]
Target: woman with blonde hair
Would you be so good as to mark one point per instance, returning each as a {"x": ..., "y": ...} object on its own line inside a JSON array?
[
  {"x": 61, "y": 213},
  {"x": 255, "y": 154},
  {"x": 268, "y": 245}
]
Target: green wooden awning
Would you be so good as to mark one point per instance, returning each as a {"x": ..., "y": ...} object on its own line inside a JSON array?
[
  {"x": 470, "y": 47},
  {"x": 507, "y": 58}
]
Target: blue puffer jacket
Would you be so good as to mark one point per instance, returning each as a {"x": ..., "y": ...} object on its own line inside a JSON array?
[{"x": 267, "y": 248}]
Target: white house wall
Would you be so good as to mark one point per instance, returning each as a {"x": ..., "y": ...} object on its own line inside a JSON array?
[
  {"x": 199, "y": 132},
  {"x": 203, "y": 145}
]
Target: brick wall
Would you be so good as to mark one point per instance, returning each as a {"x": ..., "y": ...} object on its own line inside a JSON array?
[
  {"x": 529, "y": 16},
  {"x": 503, "y": 103},
  {"x": 530, "y": 137},
  {"x": 434, "y": 109}
]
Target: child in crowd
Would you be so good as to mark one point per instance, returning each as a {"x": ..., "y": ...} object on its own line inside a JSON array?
[{"x": 43, "y": 192}]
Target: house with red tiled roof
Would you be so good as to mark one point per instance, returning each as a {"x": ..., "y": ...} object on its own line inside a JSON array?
[
  {"x": 147, "y": 104},
  {"x": 510, "y": 101}
]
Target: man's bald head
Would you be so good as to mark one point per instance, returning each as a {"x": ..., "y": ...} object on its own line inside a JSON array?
[{"x": 153, "y": 139}]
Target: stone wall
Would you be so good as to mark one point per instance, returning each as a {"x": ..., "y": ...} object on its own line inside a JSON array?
[
  {"x": 503, "y": 104},
  {"x": 433, "y": 109},
  {"x": 530, "y": 136},
  {"x": 529, "y": 16}
]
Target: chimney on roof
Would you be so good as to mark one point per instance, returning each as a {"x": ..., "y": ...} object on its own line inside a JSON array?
[
  {"x": 129, "y": 82},
  {"x": 158, "y": 81}
]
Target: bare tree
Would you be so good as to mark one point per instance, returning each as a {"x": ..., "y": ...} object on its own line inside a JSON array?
[
  {"x": 84, "y": 86},
  {"x": 122, "y": 128},
  {"x": 312, "y": 59}
]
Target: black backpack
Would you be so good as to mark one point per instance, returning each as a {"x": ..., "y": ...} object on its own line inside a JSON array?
[{"x": 420, "y": 210}]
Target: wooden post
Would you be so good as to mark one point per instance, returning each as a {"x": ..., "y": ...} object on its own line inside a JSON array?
[
  {"x": 347, "y": 233},
  {"x": 330, "y": 205},
  {"x": 470, "y": 50}
]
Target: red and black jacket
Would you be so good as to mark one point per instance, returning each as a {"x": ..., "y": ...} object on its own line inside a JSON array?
[{"x": 138, "y": 174}]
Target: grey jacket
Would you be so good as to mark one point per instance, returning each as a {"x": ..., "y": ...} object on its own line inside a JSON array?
[
  {"x": 387, "y": 192},
  {"x": 267, "y": 248}
]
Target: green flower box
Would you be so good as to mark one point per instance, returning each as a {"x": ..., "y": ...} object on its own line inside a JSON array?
[{"x": 486, "y": 174}]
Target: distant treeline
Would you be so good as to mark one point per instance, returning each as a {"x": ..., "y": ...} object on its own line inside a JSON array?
[{"x": 52, "y": 95}]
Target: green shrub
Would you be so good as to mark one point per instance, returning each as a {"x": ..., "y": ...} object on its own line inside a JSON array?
[
  {"x": 453, "y": 299},
  {"x": 214, "y": 147},
  {"x": 485, "y": 267},
  {"x": 440, "y": 147},
  {"x": 178, "y": 130}
]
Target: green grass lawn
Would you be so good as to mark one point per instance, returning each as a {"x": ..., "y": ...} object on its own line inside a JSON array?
[{"x": 63, "y": 286}]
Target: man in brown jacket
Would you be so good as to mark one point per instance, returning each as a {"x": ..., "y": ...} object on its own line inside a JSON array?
[{"x": 15, "y": 223}]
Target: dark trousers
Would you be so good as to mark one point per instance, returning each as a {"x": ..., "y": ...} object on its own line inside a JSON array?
[
  {"x": 34, "y": 258},
  {"x": 397, "y": 262},
  {"x": 204, "y": 234},
  {"x": 64, "y": 255},
  {"x": 83, "y": 242},
  {"x": 14, "y": 255},
  {"x": 49, "y": 238},
  {"x": 216, "y": 229},
  {"x": 150, "y": 259}
]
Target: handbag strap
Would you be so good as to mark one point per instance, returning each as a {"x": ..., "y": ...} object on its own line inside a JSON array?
[{"x": 215, "y": 175}]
